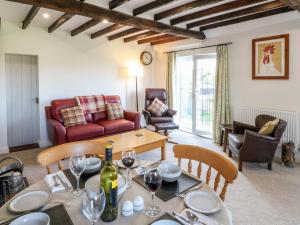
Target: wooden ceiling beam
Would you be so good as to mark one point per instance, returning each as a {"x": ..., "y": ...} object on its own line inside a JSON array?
[
  {"x": 123, "y": 33},
  {"x": 183, "y": 8},
  {"x": 247, "y": 18},
  {"x": 106, "y": 30},
  {"x": 155, "y": 38},
  {"x": 31, "y": 14},
  {"x": 239, "y": 13},
  {"x": 295, "y": 4},
  {"x": 150, "y": 6},
  {"x": 168, "y": 40},
  {"x": 115, "y": 3},
  {"x": 140, "y": 36},
  {"x": 85, "y": 26},
  {"x": 60, "y": 21},
  {"x": 213, "y": 10},
  {"x": 96, "y": 12}
]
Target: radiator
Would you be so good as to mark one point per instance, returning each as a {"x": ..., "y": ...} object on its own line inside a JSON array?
[{"x": 248, "y": 114}]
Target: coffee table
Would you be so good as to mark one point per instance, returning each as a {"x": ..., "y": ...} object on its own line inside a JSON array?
[{"x": 142, "y": 140}]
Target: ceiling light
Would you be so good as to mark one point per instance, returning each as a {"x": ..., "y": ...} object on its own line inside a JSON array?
[
  {"x": 46, "y": 15},
  {"x": 105, "y": 21}
]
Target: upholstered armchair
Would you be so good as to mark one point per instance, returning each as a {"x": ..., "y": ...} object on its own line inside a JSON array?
[
  {"x": 249, "y": 146},
  {"x": 161, "y": 94}
]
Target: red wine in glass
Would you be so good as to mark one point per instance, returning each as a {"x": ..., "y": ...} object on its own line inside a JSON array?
[
  {"x": 128, "y": 161},
  {"x": 128, "y": 158},
  {"x": 153, "y": 181}
]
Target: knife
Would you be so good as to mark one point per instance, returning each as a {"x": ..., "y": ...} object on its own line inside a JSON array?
[
  {"x": 63, "y": 183},
  {"x": 175, "y": 214}
]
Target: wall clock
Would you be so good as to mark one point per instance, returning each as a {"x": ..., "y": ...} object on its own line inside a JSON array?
[{"x": 146, "y": 58}]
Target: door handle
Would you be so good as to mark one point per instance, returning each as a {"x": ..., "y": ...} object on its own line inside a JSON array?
[{"x": 37, "y": 100}]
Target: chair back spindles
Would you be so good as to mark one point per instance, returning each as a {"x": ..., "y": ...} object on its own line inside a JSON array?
[
  {"x": 199, "y": 170},
  {"x": 217, "y": 181},
  {"x": 57, "y": 153},
  {"x": 224, "y": 189},
  {"x": 179, "y": 162},
  {"x": 190, "y": 166},
  {"x": 208, "y": 174},
  {"x": 214, "y": 160}
]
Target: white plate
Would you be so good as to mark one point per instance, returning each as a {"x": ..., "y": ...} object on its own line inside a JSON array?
[
  {"x": 203, "y": 202},
  {"x": 165, "y": 222},
  {"x": 94, "y": 182},
  {"x": 135, "y": 164},
  {"x": 29, "y": 201},
  {"x": 36, "y": 218}
]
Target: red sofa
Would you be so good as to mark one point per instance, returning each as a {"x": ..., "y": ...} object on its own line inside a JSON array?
[{"x": 97, "y": 123}]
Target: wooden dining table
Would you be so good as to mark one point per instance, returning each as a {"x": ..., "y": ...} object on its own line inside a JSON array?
[{"x": 73, "y": 206}]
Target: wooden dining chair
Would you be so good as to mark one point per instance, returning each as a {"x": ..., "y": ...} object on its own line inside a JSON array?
[
  {"x": 219, "y": 162},
  {"x": 57, "y": 153}
]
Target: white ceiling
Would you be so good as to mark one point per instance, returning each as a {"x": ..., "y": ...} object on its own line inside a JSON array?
[{"x": 16, "y": 12}]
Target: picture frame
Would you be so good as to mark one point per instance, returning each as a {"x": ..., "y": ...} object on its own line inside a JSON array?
[{"x": 270, "y": 58}]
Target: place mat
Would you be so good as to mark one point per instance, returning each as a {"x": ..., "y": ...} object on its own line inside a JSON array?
[
  {"x": 166, "y": 216},
  {"x": 58, "y": 216},
  {"x": 83, "y": 178},
  {"x": 167, "y": 190}
]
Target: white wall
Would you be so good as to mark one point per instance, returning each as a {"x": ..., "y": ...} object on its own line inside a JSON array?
[
  {"x": 70, "y": 66},
  {"x": 273, "y": 94}
]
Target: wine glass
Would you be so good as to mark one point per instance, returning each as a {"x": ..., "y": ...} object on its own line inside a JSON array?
[
  {"x": 128, "y": 158},
  {"x": 153, "y": 181},
  {"x": 93, "y": 204},
  {"x": 77, "y": 165}
]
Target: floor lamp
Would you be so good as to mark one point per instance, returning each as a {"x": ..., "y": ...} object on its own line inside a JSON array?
[{"x": 136, "y": 72}]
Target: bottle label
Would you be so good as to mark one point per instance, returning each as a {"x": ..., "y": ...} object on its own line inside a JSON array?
[{"x": 114, "y": 194}]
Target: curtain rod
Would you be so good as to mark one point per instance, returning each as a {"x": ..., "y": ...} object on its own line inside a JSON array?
[{"x": 208, "y": 46}]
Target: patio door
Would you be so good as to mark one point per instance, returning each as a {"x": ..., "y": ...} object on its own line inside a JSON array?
[{"x": 194, "y": 86}]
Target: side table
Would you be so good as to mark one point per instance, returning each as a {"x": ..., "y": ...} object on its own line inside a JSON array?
[{"x": 225, "y": 130}]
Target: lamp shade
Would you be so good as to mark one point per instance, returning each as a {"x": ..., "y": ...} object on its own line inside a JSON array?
[{"x": 135, "y": 71}]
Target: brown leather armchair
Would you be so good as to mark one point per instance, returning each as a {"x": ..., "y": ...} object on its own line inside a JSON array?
[
  {"x": 249, "y": 146},
  {"x": 161, "y": 94}
]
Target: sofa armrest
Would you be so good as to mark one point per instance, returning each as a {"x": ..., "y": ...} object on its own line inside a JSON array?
[
  {"x": 134, "y": 117},
  {"x": 147, "y": 116},
  {"x": 257, "y": 147},
  {"x": 56, "y": 132},
  {"x": 239, "y": 128},
  {"x": 171, "y": 112}
]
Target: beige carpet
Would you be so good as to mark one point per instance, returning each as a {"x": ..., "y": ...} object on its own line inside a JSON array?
[{"x": 257, "y": 197}]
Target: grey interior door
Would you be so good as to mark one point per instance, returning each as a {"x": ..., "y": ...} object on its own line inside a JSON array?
[{"x": 22, "y": 99}]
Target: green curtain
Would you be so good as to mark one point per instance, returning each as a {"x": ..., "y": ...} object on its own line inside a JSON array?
[
  {"x": 221, "y": 105},
  {"x": 170, "y": 75}
]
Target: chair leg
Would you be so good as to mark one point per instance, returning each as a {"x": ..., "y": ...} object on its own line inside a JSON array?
[
  {"x": 229, "y": 153},
  {"x": 240, "y": 166},
  {"x": 270, "y": 166}
]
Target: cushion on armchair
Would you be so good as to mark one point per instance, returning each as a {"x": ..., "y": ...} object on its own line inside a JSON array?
[
  {"x": 269, "y": 127},
  {"x": 157, "y": 107}
]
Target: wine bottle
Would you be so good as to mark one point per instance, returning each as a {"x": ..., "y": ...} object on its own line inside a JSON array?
[{"x": 109, "y": 182}]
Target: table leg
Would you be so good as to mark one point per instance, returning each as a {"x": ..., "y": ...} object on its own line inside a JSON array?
[
  {"x": 225, "y": 141},
  {"x": 163, "y": 151}
]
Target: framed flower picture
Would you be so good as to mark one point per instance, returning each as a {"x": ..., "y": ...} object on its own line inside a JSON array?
[{"x": 270, "y": 57}]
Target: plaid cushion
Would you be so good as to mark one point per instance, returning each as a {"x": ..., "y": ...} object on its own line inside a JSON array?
[
  {"x": 73, "y": 116},
  {"x": 114, "y": 111},
  {"x": 157, "y": 107},
  {"x": 91, "y": 104}
]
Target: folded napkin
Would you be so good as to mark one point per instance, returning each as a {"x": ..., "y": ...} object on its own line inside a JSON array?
[
  {"x": 49, "y": 180},
  {"x": 202, "y": 218}
]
